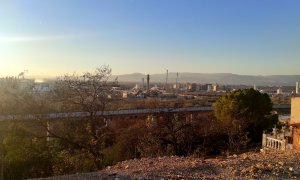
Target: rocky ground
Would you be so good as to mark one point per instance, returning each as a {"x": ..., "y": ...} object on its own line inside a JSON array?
[{"x": 263, "y": 165}]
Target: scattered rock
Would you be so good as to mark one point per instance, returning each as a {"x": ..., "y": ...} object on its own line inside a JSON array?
[
  {"x": 267, "y": 165},
  {"x": 244, "y": 156}
]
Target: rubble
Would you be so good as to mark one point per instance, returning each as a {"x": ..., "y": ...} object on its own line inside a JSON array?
[{"x": 267, "y": 165}]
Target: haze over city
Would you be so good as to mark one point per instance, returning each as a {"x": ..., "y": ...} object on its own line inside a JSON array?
[{"x": 51, "y": 38}]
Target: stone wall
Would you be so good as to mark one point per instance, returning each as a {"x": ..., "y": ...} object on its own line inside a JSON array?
[{"x": 295, "y": 110}]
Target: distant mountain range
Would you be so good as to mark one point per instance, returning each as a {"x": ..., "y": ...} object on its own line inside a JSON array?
[{"x": 220, "y": 78}]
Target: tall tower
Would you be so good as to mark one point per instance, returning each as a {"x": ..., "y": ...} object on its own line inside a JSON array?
[
  {"x": 297, "y": 88},
  {"x": 254, "y": 87},
  {"x": 148, "y": 83},
  {"x": 177, "y": 83},
  {"x": 166, "y": 85}
]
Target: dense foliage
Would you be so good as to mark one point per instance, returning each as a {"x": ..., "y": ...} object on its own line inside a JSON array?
[{"x": 243, "y": 115}]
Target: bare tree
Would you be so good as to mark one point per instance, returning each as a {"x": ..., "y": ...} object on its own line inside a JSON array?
[
  {"x": 167, "y": 133},
  {"x": 90, "y": 92}
]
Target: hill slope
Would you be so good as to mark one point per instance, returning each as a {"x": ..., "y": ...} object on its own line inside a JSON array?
[{"x": 220, "y": 78}]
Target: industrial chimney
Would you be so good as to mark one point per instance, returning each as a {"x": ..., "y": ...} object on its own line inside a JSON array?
[
  {"x": 177, "y": 83},
  {"x": 166, "y": 85},
  {"x": 297, "y": 88},
  {"x": 148, "y": 83}
]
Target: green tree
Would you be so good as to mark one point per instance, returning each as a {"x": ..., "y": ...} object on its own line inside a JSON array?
[{"x": 244, "y": 114}]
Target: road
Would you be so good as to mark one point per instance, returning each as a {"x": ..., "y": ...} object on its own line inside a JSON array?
[{"x": 115, "y": 112}]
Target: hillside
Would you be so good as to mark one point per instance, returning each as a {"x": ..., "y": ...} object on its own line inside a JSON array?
[
  {"x": 221, "y": 78},
  {"x": 266, "y": 165}
]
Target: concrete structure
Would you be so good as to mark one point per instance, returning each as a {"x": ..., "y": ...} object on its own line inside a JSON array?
[
  {"x": 287, "y": 138},
  {"x": 295, "y": 121},
  {"x": 297, "y": 88},
  {"x": 295, "y": 110}
]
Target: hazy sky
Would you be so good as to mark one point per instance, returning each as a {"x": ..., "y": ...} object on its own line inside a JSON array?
[{"x": 53, "y": 37}]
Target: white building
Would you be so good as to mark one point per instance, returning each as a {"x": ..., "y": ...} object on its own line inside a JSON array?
[
  {"x": 279, "y": 91},
  {"x": 215, "y": 87}
]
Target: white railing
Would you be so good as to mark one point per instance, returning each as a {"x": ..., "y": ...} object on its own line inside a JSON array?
[{"x": 275, "y": 143}]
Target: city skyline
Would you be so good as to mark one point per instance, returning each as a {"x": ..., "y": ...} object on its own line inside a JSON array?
[{"x": 52, "y": 38}]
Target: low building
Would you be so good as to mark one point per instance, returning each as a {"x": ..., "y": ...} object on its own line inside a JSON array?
[
  {"x": 214, "y": 87},
  {"x": 191, "y": 87}
]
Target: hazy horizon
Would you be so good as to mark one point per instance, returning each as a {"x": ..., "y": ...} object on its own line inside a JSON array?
[
  {"x": 54, "y": 37},
  {"x": 28, "y": 75}
]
